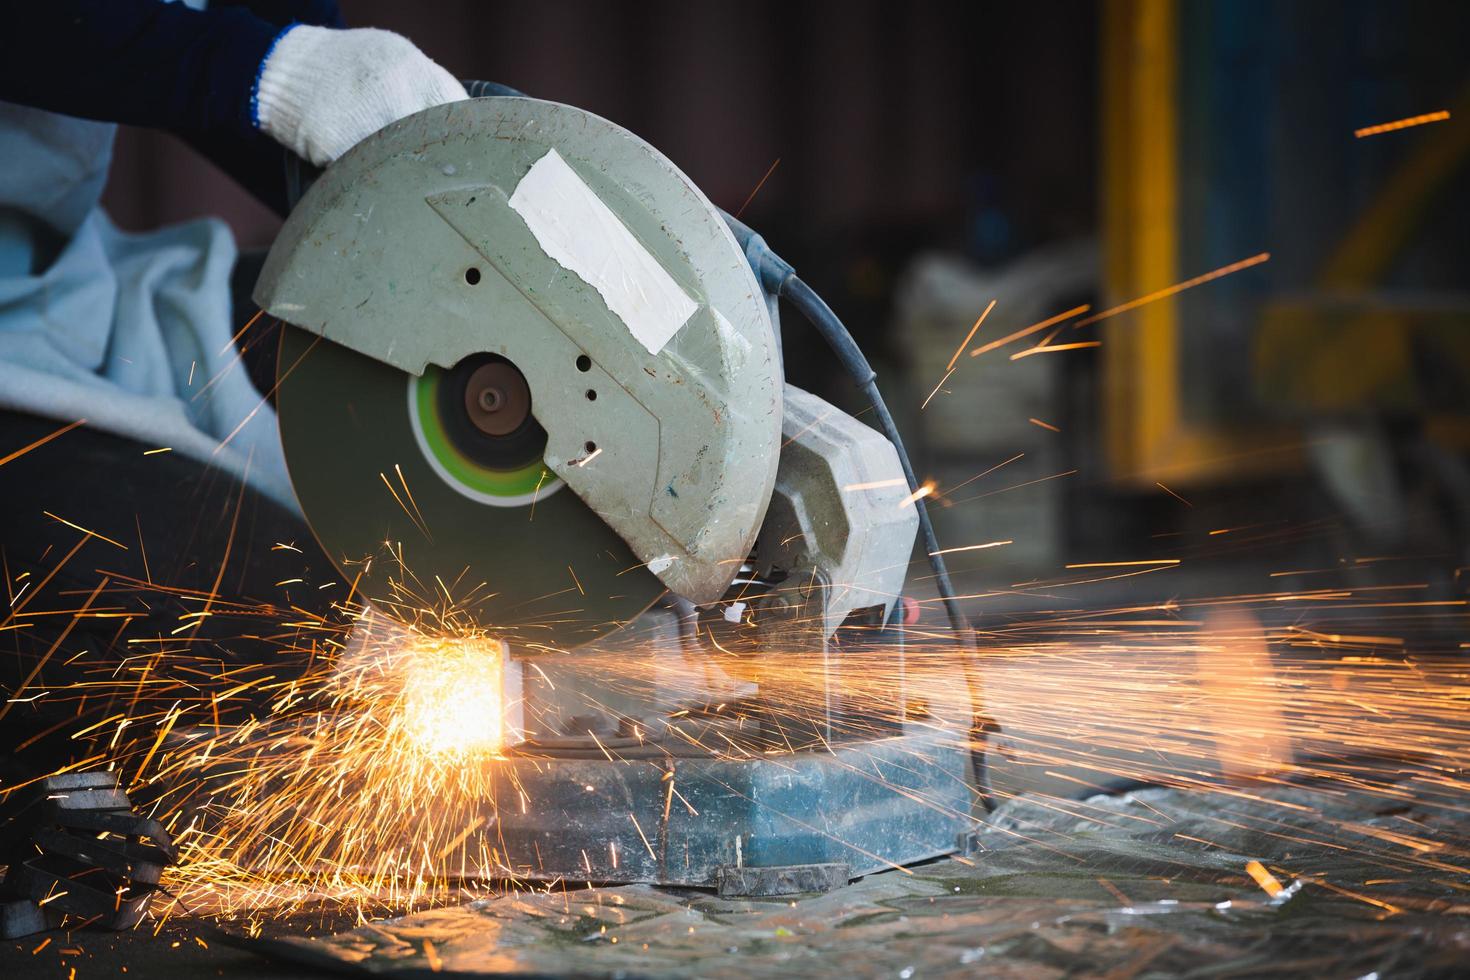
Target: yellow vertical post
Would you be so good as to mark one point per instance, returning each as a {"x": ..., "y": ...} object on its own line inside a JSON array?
[{"x": 1140, "y": 237}]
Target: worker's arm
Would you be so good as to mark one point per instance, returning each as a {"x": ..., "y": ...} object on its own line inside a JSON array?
[
  {"x": 323, "y": 13},
  {"x": 227, "y": 79}
]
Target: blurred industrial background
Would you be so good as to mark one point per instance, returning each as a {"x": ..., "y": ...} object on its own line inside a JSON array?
[
  {"x": 1178, "y": 334},
  {"x": 918, "y": 160}
]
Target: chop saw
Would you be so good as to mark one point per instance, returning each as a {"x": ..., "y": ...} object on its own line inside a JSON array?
[{"x": 564, "y": 364}]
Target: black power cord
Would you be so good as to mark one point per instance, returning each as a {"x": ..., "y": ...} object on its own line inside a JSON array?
[
  {"x": 778, "y": 278},
  {"x": 831, "y": 329}
]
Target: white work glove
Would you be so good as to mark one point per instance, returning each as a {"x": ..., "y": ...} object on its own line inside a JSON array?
[{"x": 322, "y": 91}]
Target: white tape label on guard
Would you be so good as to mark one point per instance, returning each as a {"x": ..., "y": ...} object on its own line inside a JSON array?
[{"x": 576, "y": 229}]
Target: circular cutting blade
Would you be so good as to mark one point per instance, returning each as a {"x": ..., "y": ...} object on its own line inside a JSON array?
[{"x": 429, "y": 492}]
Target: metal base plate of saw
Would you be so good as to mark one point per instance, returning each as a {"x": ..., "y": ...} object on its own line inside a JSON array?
[{"x": 531, "y": 362}]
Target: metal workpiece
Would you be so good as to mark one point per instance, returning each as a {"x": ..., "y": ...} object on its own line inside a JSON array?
[
  {"x": 422, "y": 246},
  {"x": 716, "y": 767},
  {"x": 838, "y": 509},
  {"x": 685, "y": 821}
]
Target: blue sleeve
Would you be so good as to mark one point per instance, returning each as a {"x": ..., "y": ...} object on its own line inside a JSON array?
[
  {"x": 322, "y": 13},
  {"x": 160, "y": 65}
]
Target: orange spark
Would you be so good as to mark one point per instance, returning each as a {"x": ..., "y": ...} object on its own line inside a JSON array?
[
  {"x": 1231, "y": 530},
  {"x": 1044, "y": 425},
  {"x": 875, "y": 485},
  {"x": 411, "y": 516},
  {"x": 1018, "y": 486},
  {"x": 409, "y": 493},
  {"x": 1124, "y": 564},
  {"x": 1392, "y": 909},
  {"x": 1179, "y": 287},
  {"x": 936, "y": 389},
  {"x": 1388, "y": 127},
  {"x": 41, "y": 441},
  {"x": 1173, "y": 494},
  {"x": 758, "y": 187},
  {"x": 918, "y": 494},
  {"x": 644, "y": 836},
  {"x": 972, "y": 547},
  {"x": 986, "y": 473},
  {"x": 1034, "y": 328},
  {"x": 235, "y": 339},
  {"x": 1264, "y": 878},
  {"x": 969, "y": 337},
  {"x": 1053, "y": 348},
  {"x": 90, "y": 534}
]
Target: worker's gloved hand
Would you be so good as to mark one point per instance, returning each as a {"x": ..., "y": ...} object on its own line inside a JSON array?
[{"x": 321, "y": 91}]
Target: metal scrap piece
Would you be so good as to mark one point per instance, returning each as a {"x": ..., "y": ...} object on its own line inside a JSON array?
[
  {"x": 72, "y": 846},
  {"x": 794, "y": 879}
]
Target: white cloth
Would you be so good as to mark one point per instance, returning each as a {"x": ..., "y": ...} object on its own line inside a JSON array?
[
  {"x": 123, "y": 330},
  {"x": 322, "y": 91}
]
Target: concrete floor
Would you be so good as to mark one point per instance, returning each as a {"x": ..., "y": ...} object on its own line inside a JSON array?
[{"x": 1153, "y": 883}]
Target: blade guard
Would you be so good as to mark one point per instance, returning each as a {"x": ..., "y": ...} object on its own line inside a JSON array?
[{"x": 606, "y": 277}]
